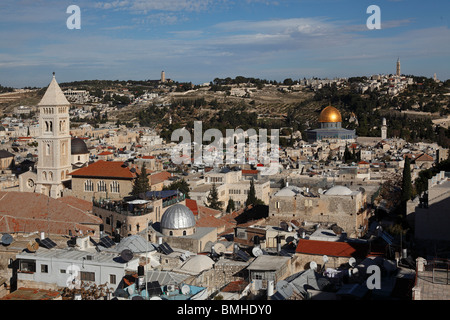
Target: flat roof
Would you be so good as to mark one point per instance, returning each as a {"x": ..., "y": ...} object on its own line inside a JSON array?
[
  {"x": 267, "y": 263},
  {"x": 105, "y": 258}
]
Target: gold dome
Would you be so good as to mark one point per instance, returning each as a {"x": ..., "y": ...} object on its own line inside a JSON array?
[{"x": 330, "y": 114}]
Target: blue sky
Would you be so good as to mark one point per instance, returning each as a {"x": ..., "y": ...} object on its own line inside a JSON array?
[{"x": 198, "y": 40}]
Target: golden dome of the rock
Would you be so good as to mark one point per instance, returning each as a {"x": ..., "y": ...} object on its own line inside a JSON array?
[{"x": 330, "y": 114}]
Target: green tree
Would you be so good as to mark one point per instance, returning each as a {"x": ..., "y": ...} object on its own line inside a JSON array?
[
  {"x": 213, "y": 199},
  {"x": 407, "y": 191},
  {"x": 230, "y": 207},
  {"x": 180, "y": 185},
  {"x": 347, "y": 155},
  {"x": 251, "y": 196},
  {"x": 406, "y": 181},
  {"x": 141, "y": 183}
]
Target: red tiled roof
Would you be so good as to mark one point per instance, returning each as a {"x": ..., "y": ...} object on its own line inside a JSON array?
[
  {"x": 27, "y": 211},
  {"x": 77, "y": 203},
  {"x": 32, "y": 294},
  {"x": 101, "y": 168},
  {"x": 424, "y": 157},
  {"x": 235, "y": 286},
  {"x": 332, "y": 248},
  {"x": 192, "y": 205},
  {"x": 105, "y": 153},
  {"x": 159, "y": 177},
  {"x": 250, "y": 171},
  {"x": 148, "y": 157}
]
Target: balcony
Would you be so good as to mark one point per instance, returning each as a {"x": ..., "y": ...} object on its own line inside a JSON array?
[{"x": 129, "y": 208}]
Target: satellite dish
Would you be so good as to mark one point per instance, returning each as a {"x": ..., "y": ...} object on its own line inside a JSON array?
[
  {"x": 290, "y": 239},
  {"x": 256, "y": 251},
  {"x": 219, "y": 248},
  {"x": 285, "y": 289},
  {"x": 313, "y": 265},
  {"x": 185, "y": 289},
  {"x": 73, "y": 282},
  {"x": 352, "y": 262},
  {"x": 32, "y": 246},
  {"x": 126, "y": 255},
  {"x": 7, "y": 239},
  {"x": 284, "y": 225},
  {"x": 325, "y": 258}
]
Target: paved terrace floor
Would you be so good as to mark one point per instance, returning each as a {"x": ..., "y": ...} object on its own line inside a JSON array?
[{"x": 433, "y": 290}]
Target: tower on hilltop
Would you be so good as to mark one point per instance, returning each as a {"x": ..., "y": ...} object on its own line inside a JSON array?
[{"x": 398, "y": 67}]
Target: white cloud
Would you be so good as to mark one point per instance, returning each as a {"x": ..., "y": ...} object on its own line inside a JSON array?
[{"x": 144, "y": 6}]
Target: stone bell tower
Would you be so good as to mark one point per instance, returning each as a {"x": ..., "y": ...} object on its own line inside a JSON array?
[{"x": 54, "y": 163}]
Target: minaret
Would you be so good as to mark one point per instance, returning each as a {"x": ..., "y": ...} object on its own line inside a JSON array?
[
  {"x": 54, "y": 141},
  {"x": 384, "y": 130},
  {"x": 163, "y": 76},
  {"x": 398, "y": 67}
]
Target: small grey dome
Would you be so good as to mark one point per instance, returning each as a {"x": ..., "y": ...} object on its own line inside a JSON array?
[
  {"x": 339, "y": 191},
  {"x": 78, "y": 146},
  {"x": 178, "y": 216}
]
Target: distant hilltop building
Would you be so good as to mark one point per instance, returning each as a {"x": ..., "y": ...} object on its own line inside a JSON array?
[
  {"x": 398, "y": 67},
  {"x": 384, "y": 130},
  {"x": 330, "y": 127},
  {"x": 163, "y": 76}
]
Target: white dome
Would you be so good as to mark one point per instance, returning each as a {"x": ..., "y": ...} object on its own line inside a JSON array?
[
  {"x": 288, "y": 191},
  {"x": 178, "y": 216},
  {"x": 338, "y": 191},
  {"x": 198, "y": 264}
]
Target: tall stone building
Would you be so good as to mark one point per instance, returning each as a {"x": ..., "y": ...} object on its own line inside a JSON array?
[
  {"x": 384, "y": 130},
  {"x": 54, "y": 163},
  {"x": 54, "y": 146},
  {"x": 398, "y": 67}
]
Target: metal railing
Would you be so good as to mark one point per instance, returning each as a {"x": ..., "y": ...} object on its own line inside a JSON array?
[{"x": 123, "y": 208}]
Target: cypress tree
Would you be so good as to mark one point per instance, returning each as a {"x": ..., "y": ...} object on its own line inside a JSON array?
[
  {"x": 141, "y": 183},
  {"x": 406, "y": 181},
  {"x": 251, "y": 196},
  {"x": 213, "y": 199},
  {"x": 230, "y": 206}
]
